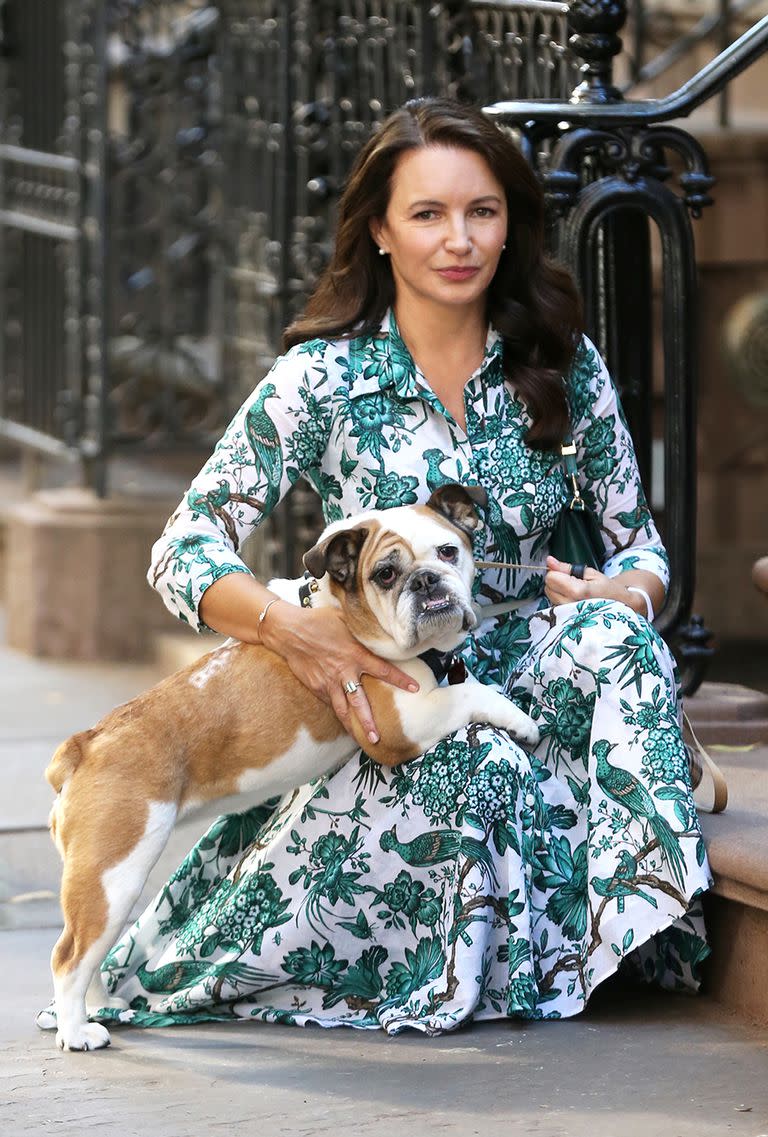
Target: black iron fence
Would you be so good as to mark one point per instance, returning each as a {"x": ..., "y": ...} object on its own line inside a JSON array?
[
  {"x": 168, "y": 174},
  {"x": 168, "y": 170}
]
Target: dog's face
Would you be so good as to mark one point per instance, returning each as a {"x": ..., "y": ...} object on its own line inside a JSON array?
[{"x": 403, "y": 576}]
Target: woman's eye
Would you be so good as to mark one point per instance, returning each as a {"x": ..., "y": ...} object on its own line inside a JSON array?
[
  {"x": 485, "y": 211},
  {"x": 385, "y": 576},
  {"x": 448, "y": 553},
  {"x": 425, "y": 215}
]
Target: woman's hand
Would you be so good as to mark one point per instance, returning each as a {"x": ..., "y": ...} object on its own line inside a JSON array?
[
  {"x": 323, "y": 656},
  {"x": 561, "y": 587}
]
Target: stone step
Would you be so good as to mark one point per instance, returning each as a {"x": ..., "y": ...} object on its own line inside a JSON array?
[
  {"x": 732, "y": 721},
  {"x": 729, "y": 714}
]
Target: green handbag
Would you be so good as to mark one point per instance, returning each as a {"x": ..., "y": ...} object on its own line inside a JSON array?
[{"x": 576, "y": 536}]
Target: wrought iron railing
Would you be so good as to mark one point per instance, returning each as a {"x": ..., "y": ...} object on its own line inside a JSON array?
[
  {"x": 168, "y": 171},
  {"x": 607, "y": 167},
  {"x": 716, "y": 29}
]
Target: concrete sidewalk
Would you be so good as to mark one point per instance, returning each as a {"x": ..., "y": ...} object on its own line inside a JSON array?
[{"x": 635, "y": 1065}]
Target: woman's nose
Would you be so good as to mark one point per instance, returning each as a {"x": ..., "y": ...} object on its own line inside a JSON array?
[{"x": 459, "y": 238}]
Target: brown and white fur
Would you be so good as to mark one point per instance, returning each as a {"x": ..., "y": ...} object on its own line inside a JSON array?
[{"x": 238, "y": 722}]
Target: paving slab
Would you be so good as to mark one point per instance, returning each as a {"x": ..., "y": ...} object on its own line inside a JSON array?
[{"x": 634, "y": 1065}]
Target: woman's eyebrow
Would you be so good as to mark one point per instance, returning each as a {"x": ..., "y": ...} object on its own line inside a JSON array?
[{"x": 475, "y": 201}]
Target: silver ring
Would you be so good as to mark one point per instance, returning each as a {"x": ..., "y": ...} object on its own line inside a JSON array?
[{"x": 350, "y": 687}]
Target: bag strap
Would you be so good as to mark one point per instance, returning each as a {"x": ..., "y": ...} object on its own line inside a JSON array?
[
  {"x": 719, "y": 784},
  {"x": 571, "y": 470}
]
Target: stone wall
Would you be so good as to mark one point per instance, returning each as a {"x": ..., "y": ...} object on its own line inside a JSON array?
[{"x": 732, "y": 253}]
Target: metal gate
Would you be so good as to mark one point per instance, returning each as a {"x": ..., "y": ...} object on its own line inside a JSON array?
[
  {"x": 52, "y": 226},
  {"x": 168, "y": 173}
]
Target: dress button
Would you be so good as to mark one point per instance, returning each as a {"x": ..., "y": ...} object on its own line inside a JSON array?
[{"x": 530, "y": 799}]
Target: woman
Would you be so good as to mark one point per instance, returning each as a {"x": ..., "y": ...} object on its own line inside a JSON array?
[{"x": 479, "y": 880}]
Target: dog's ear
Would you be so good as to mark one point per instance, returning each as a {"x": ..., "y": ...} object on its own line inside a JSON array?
[
  {"x": 459, "y": 504},
  {"x": 337, "y": 555}
]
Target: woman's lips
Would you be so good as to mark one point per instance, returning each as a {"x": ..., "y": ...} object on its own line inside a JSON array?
[{"x": 458, "y": 273}]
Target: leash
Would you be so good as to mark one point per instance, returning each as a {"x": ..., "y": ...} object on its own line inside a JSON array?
[
  {"x": 488, "y": 611},
  {"x": 508, "y": 564}
]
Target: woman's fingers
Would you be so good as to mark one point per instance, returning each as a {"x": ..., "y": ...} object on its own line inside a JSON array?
[
  {"x": 379, "y": 668},
  {"x": 355, "y": 702},
  {"x": 561, "y": 587},
  {"x": 554, "y": 565},
  {"x": 326, "y": 658}
]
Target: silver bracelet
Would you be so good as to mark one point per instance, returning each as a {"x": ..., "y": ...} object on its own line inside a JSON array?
[
  {"x": 648, "y": 604},
  {"x": 263, "y": 613}
]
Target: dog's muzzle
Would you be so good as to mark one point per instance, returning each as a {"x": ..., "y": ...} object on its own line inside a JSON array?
[{"x": 430, "y": 592}]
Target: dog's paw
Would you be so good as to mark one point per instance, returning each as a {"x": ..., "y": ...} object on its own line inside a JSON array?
[
  {"x": 526, "y": 730},
  {"x": 88, "y": 1036},
  {"x": 520, "y": 725}
]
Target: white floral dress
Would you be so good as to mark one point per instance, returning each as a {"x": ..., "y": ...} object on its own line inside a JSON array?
[{"x": 479, "y": 880}]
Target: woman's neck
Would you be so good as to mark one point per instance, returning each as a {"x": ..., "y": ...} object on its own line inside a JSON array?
[
  {"x": 447, "y": 349},
  {"x": 455, "y": 335}
]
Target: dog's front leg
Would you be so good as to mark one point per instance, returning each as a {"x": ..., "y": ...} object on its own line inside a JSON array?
[{"x": 448, "y": 709}]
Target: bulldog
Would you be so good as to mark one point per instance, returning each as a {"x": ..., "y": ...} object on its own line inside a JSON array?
[{"x": 237, "y": 721}]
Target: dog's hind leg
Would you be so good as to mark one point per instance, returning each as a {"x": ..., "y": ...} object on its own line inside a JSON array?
[{"x": 96, "y": 903}]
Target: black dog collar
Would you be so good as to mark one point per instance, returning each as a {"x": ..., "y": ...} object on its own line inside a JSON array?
[
  {"x": 309, "y": 586},
  {"x": 442, "y": 663}
]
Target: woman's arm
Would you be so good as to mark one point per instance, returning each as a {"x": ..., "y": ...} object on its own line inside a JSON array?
[
  {"x": 609, "y": 481},
  {"x": 316, "y": 645},
  {"x": 280, "y": 432}
]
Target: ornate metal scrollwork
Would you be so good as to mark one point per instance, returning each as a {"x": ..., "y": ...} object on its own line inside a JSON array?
[
  {"x": 164, "y": 383},
  {"x": 596, "y": 25}
]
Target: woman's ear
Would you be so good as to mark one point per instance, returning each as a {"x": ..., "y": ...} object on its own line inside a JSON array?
[{"x": 374, "y": 228}]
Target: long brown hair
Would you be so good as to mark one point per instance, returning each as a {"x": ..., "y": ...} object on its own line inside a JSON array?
[{"x": 532, "y": 302}]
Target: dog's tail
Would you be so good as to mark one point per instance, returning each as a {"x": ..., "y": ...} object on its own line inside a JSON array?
[{"x": 66, "y": 760}]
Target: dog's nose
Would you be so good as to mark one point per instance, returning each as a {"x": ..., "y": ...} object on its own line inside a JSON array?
[{"x": 425, "y": 581}]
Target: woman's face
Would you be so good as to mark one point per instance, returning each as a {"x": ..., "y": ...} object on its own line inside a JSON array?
[{"x": 444, "y": 228}]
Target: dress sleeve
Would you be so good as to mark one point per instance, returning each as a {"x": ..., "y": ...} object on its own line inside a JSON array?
[
  {"x": 279, "y": 433},
  {"x": 608, "y": 475}
]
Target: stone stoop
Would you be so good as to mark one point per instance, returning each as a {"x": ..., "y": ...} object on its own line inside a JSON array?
[{"x": 732, "y": 722}]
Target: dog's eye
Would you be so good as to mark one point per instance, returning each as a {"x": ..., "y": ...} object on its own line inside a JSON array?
[
  {"x": 385, "y": 576},
  {"x": 448, "y": 553}
]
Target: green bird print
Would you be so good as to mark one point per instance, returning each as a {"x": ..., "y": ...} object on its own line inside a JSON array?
[
  {"x": 636, "y": 518},
  {"x": 434, "y": 476},
  {"x": 623, "y": 788},
  {"x": 622, "y": 883},
  {"x": 505, "y": 546},
  {"x": 211, "y": 502},
  {"x": 429, "y": 849},
  {"x": 265, "y": 443},
  {"x": 178, "y": 976}
]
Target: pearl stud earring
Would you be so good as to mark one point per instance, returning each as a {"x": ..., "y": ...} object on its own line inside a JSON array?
[{"x": 382, "y": 252}]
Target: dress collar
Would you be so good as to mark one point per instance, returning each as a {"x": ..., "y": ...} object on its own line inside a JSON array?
[{"x": 383, "y": 361}]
